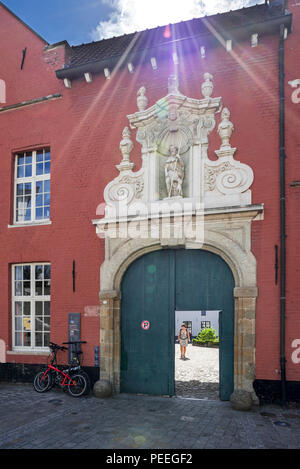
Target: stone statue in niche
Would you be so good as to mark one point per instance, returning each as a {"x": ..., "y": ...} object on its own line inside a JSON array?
[{"x": 174, "y": 172}]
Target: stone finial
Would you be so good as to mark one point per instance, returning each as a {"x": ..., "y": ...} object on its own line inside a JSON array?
[
  {"x": 225, "y": 129},
  {"x": 142, "y": 100},
  {"x": 126, "y": 146},
  {"x": 207, "y": 86},
  {"x": 173, "y": 85}
]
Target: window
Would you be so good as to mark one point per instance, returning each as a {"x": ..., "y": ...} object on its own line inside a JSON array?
[
  {"x": 188, "y": 325},
  {"x": 205, "y": 324},
  {"x": 31, "y": 306},
  {"x": 32, "y": 186}
]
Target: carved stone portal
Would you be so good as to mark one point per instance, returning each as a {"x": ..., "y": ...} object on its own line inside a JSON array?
[
  {"x": 176, "y": 170},
  {"x": 177, "y": 121}
]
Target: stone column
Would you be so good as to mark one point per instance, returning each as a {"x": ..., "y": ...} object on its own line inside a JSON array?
[
  {"x": 244, "y": 340},
  {"x": 109, "y": 344}
]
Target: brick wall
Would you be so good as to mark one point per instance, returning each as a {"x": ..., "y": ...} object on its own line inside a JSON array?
[{"x": 84, "y": 128}]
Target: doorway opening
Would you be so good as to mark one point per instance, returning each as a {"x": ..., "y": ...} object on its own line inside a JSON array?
[{"x": 197, "y": 375}]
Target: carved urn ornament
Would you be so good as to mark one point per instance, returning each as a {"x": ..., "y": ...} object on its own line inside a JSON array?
[
  {"x": 207, "y": 87},
  {"x": 142, "y": 100},
  {"x": 126, "y": 146}
]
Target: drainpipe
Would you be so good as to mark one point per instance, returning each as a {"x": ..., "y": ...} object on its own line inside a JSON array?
[{"x": 282, "y": 157}]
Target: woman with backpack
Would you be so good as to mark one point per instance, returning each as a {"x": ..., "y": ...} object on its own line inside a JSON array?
[{"x": 183, "y": 338}]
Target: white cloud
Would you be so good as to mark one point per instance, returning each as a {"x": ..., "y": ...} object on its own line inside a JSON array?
[{"x": 136, "y": 15}]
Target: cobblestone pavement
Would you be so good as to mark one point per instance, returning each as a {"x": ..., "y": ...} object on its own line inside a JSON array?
[
  {"x": 57, "y": 420},
  {"x": 198, "y": 376}
]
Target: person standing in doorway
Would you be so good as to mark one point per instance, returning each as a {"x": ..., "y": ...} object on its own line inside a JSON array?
[{"x": 183, "y": 339}]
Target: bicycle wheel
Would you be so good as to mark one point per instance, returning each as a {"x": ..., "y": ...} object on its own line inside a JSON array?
[
  {"x": 88, "y": 381},
  {"x": 42, "y": 382},
  {"x": 77, "y": 387}
]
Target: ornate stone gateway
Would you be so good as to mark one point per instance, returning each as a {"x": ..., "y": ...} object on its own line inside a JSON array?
[{"x": 179, "y": 198}]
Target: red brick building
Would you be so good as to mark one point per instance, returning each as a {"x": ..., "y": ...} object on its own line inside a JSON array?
[{"x": 60, "y": 130}]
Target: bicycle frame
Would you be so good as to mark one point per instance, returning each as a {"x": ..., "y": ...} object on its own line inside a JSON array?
[{"x": 66, "y": 376}]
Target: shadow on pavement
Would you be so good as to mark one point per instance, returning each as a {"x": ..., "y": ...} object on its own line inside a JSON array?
[{"x": 197, "y": 389}]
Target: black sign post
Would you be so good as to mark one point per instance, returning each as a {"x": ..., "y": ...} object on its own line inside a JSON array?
[{"x": 74, "y": 334}]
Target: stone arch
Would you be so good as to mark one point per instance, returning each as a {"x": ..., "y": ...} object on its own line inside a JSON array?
[{"x": 232, "y": 244}]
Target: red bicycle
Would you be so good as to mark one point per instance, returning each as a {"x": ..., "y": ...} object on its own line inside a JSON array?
[{"x": 76, "y": 382}]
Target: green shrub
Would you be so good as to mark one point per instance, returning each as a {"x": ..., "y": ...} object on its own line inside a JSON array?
[{"x": 207, "y": 335}]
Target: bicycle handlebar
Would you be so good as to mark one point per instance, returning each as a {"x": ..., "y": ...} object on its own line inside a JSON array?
[{"x": 57, "y": 347}]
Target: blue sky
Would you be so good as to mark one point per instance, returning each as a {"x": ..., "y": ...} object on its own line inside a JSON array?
[
  {"x": 81, "y": 21},
  {"x": 56, "y": 20}
]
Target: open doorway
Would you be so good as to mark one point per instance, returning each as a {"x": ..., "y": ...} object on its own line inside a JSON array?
[{"x": 197, "y": 375}]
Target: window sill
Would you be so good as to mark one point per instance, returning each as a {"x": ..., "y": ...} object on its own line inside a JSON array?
[
  {"x": 28, "y": 352},
  {"x": 22, "y": 225}
]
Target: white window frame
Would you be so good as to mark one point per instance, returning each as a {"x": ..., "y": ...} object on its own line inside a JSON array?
[
  {"x": 32, "y": 299},
  {"x": 33, "y": 179}
]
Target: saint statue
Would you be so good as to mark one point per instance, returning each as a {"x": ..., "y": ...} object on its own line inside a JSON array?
[{"x": 174, "y": 172}]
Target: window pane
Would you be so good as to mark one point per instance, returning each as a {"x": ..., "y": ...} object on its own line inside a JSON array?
[
  {"x": 47, "y": 186},
  {"x": 39, "y": 201},
  {"x": 39, "y": 324},
  {"x": 47, "y": 154},
  {"x": 38, "y": 288},
  {"x": 39, "y": 339},
  {"x": 39, "y": 156},
  {"x": 47, "y": 323},
  {"x": 47, "y": 287},
  {"x": 46, "y": 212},
  {"x": 47, "y": 308},
  {"x": 27, "y": 187},
  {"x": 18, "y": 272},
  {"x": 47, "y": 199},
  {"x": 26, "y": 288},
  {"x": 18, "y": 323},
  {"x": 27, "y": 339},
  {"x": 46, "y": 339},
  {"x": 26, "y": 272},
  {"x": 28, "y": 158},
  {"x": 39, "y": 213},
  {"x": 20, "y": 159},
  {"x": 28, "y": 170},
  {"x": 47, "y": 167},
  {"x": 20, "y": 171},
  {"x": 39, "y": 169},
  {"x": 39, "y": 187},
  {"x": 47, "y": 271},
  {"x": 18, "y": 339},
  {"x": 18, "y": 288},
  {"x": 28, "y": 214},
  {"x": 38, "y": 272},
  {"x": 20, "y": 189},
  {"x": 18, "y": 308},
  {"x": 26, "y": 308},
  {"x": 38, "y": 308}
]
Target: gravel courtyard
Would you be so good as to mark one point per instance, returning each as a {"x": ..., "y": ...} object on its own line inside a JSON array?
[{"x": 198, "y": 376}]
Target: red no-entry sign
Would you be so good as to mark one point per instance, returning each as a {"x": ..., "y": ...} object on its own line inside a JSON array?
[{"x": 145, "y": 325}]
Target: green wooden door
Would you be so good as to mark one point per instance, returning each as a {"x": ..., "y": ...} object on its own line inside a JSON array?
[
  {"x": 147, "y": 356},
  {"x": 155, "y": 286}
]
